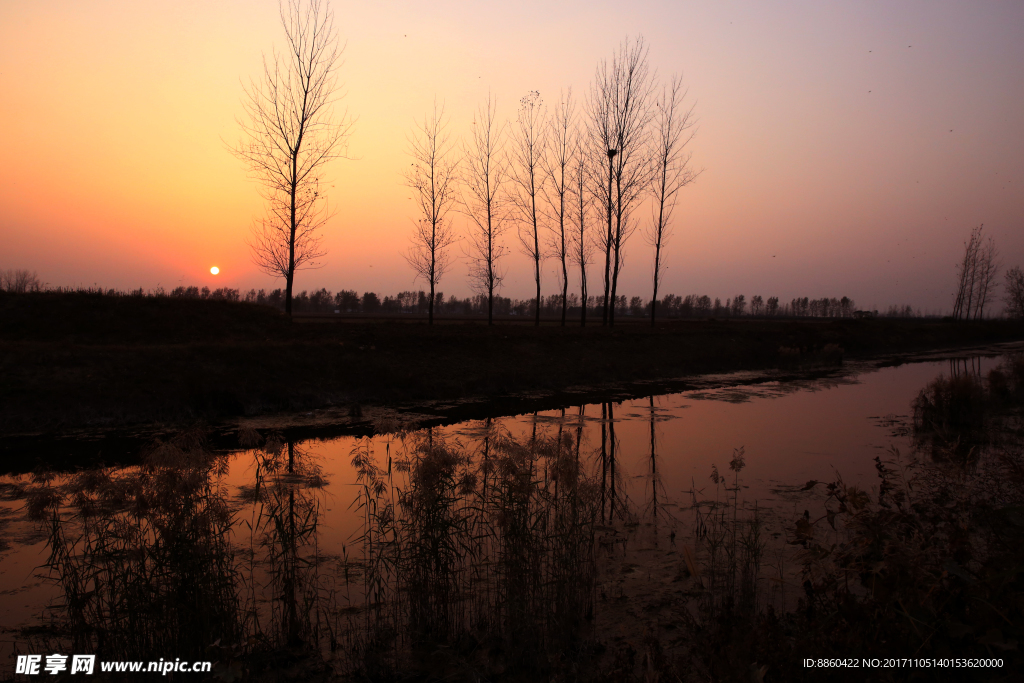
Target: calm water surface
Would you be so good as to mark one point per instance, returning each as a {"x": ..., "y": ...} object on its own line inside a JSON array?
[{"x": 653, "y": 456}]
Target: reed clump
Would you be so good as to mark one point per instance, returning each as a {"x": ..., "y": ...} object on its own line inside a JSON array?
[
  {"x": 474, "y": 564},
  {"x": 142, "y": 556},
  {"x": 964, "y": 410},
  {"x": 928, "y": 563}
]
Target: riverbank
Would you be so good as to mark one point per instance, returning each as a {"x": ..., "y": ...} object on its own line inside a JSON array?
[{"x": 79, "y": 361}]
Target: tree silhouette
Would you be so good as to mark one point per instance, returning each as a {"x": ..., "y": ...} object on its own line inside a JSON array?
[
  {"x": 557, "y": 168},
  {"x": 432, "y": 177},
  {"x": 621, "y": 113},
  {"x": 529, "y": 140},
  {"x": 1015, "y": 293},
  {"x": 289, "y": 134},
  {"x": 976, "y": 276},
  {"x": 484, "y": 175},
  {"x": 581, "y": 244},
  {"x": 672, "y": 171}
]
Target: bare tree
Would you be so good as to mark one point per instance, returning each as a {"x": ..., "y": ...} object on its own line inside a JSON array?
[
  {"x": 581, "y": 244},
  {"x": 432, "y": 176},
  {"x": 965, "y": 275},
  {"x": 1015, "y": 293},
  {"x": 976, "y": 276},
  {"x": 621, "y": 113},
  {"x": 529, "y": 140},
  {"x": 557, "y": 169},
  {"x": 672, "y": 172},
  {"x": 483, "y": 177},
  {"x": 290, "y": 132},
  {"x": 19, "y": 281}
]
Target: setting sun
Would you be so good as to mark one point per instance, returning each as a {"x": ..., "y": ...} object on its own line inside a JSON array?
[{"x": 214, "y": 270}]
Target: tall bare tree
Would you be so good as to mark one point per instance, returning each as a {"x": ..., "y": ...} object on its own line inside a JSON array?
[
  {"x": 290, "y": 132},
  {"x": 966, "y": 271},
  {"x": 529, "y": 140},
  {"x": 433, "y": 177},
  {"x": 558, "y": 172},
  {"x": 976, "y": 276},
  {"x": 484, "y": 175},
  {"x": 672, "y": 172},
  {"x": 581, "y": 243},
  {"x": 621, "y": 113}
]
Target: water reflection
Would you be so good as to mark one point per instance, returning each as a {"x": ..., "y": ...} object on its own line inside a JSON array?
[
  {"x": 483, "y": 536},
  {"x": 488, "y": 550},
  {"x": 284, "y": 559},
  {"x": 142, "y": 556}
]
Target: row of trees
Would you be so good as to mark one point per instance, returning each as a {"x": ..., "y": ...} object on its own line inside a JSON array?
[
  {"x": 977, "y": 276},
  {"x": 419, "y": 303},
  {"x": 19, "y": 281},
  {"x": 544, "y": 173},
  {"x": 479, "y": 305},
  {"x": 540, "y": 172}
]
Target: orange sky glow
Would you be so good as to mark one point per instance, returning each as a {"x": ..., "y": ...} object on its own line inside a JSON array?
[{"x": 848, "y": 147}]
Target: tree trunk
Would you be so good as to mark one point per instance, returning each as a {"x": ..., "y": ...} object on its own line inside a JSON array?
[
  {"x": 583, "y": 295},
  {"x": 608, "y": 242}
]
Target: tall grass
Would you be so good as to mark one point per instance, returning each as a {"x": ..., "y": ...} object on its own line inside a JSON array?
[
  {"x": 957, "y": 412},
  {"x": 478, "y": 562},
  {"x": 143, "y": 556},
  {"x": 929, "y": 562}
]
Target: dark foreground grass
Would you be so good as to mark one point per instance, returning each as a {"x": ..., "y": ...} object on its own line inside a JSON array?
[{"x": 80, "y": 360}]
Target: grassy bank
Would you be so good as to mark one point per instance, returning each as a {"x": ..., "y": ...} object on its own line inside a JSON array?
[{"x": 80, "y": 360}]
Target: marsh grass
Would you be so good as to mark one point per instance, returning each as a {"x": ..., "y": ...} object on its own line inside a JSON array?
[
  {"x": 142, "y": 556},
  {"x": 963, "y": 411},
  {"x": 929, "y": 562},
  {"x": 475, "y": 564}
]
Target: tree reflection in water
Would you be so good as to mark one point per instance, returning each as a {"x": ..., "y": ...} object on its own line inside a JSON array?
[{"x": 489, "y": 554}]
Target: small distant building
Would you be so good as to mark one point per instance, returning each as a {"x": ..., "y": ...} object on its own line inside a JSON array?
[{"x": 861, "y": 315}]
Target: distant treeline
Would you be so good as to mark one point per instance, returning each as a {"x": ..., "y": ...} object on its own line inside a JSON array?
[{"x": 416, "y": 303}]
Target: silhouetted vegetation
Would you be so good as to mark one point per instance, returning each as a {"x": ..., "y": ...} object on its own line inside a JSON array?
[
  {"x": 290, "y": 133},
  {"x": 19, "y": 281},
  {"x": 475, "y": 565},
  {"x": 417, "y": 303},
  {"x": 498, "y": 563},
  {"x": 956, "y": 412},
  {"x": 142, "y": 556},
  {"x": 976, "y": 277},
  {"x": 78, "y": 359}
]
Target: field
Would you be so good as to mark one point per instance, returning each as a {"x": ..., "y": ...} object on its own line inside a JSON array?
[{"x": 79, "y": 361}]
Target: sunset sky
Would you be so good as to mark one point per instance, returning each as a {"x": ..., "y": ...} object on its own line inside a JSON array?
[{"x": 848, "y": 147}]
